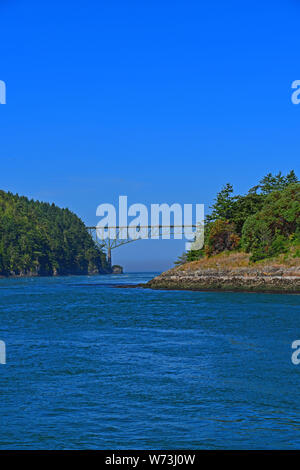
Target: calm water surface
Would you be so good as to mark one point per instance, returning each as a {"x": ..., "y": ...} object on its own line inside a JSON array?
[{"x": 91, "y": 366}]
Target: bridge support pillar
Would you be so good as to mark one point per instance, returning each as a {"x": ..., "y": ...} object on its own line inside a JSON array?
[{"x": 109, "y": 256}]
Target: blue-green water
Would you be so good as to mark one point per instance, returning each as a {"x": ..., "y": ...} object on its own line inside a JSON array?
[{"x": 90, "y": 366}]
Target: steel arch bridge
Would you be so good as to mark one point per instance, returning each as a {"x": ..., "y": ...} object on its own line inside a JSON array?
[{"x": 121, "y": 235}]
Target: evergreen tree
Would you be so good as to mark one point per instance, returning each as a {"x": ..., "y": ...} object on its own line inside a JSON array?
[{"x": 222, "y": 208}]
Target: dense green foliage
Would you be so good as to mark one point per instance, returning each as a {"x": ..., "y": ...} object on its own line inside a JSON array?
[
  {"x": 38, "y": 238},
  {"x": 265, "y": 222},
  {"x": 276, "y": 227},
  {"x": 221, "y": 236}
]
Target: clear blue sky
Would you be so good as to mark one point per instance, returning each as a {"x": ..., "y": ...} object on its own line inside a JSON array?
[{"x": 163, "y": 101}]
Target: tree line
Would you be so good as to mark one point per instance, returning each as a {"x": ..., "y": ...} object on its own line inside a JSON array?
[
  {"x": 265, "y": 222},
  {"x": 38, "y": 238}
]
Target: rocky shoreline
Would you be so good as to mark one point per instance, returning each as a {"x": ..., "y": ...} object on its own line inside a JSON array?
[
  {"x": 272, "y": 279},
  {"x": 32, "y": 274}
]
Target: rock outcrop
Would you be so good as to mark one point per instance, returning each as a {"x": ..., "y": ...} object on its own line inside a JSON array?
[
  {"x": 255, "y": 278},
  {"x": 116, "y": 269}
]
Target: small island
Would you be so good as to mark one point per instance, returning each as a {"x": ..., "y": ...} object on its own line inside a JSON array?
[{"x": 116, "y": 269}]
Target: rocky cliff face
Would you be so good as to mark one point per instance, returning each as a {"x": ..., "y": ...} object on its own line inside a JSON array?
[{"x": 260, "y": 278}]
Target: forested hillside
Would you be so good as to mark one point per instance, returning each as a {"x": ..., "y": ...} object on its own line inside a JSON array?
[
  {"x": 38, "y": 238},
  {"x": 264, "y": 223}
]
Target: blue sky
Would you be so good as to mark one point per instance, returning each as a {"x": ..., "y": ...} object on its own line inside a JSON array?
[{"x": 163, "y": 101}]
